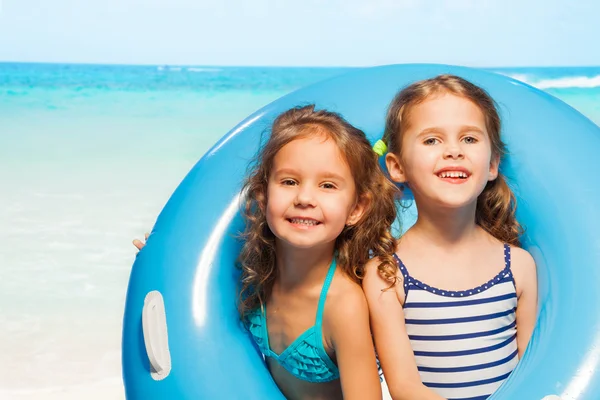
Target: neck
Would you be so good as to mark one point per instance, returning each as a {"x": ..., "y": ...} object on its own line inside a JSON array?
[
  {"x": 300, "y": 267},
  {"x": 446, "y": 226}
]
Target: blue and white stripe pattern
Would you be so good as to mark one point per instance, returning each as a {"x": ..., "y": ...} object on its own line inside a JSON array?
[{"x": 464, "y": 342}]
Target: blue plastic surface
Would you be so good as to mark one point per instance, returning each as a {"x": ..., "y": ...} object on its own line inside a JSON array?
[{"x": 553, "y": 165}]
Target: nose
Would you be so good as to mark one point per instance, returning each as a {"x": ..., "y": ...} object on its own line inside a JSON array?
[
  {"x": 453, "y": 151},
  {"x": 305, "y": 196}
]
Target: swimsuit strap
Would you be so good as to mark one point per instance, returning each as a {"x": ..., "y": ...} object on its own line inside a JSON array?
[{"x": 323, "y": 296}]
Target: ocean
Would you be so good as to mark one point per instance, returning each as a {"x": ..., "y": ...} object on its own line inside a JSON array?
[{"x": 89, "y": 155}]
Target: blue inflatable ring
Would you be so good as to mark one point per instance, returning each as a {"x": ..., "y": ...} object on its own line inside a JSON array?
[{"x": 188, "y": 268}]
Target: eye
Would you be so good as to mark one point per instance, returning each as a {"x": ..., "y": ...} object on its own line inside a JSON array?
[
  {"x": 328, "y": 185},
  {"x": 470, "y": 140},
  {"x": 431, "y": 141},
  {"x": 288, "y": 182}
]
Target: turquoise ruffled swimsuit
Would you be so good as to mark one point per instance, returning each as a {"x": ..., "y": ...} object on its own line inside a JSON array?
[{"x": 305, "y": 358}]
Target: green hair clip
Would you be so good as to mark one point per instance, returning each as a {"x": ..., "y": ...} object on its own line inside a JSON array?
[{"x": 380, "y": 148}]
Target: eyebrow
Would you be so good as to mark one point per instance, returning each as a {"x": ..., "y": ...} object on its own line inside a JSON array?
[
  {"x": 326, "y": 175},
  {"x": 463, "y": 129},
  {"x": 428, "y": 131},
  {"x": 285, "y": 171},
  {"x": 333, "y": 175},
  {"x": 471, "y": 128}
]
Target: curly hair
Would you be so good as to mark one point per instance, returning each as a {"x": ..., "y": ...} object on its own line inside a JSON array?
[
  {"x": 370, "y": 236},
  {"x": 496, "y": 205}
]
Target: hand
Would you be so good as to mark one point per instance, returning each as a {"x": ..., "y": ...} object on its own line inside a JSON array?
[{"x": 139, "y": 244}]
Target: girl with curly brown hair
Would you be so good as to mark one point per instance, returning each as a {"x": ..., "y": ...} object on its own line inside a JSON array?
[{"x": 316, "y": 205}]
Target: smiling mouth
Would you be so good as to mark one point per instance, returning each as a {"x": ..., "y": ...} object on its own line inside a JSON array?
[
  {"x": 304, "y": 221},
  {"x": 453, "y": 175}
]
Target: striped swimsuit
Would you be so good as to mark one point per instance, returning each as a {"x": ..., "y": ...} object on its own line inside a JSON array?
[{"x": 464, "y": 342}]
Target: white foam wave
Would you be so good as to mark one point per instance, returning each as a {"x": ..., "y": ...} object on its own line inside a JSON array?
[
  {"x": 188, "y": 69},
  {"x": 585, "y": 82},
  {"x": 572, "y": 82},
  {"x": 196, "y": 69},
  {"x": 520, "y": 77}
]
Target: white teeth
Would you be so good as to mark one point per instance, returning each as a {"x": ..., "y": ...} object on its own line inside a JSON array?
[
  {"x": 309, "y": 222},
  {"x": 452, "y": 174}
]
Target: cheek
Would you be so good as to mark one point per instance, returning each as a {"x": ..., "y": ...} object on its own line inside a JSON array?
[
  {"x": 271, "y": 190},
  {"x": 420, "y": 162},
  {"x": 269, "y": 212},
  {"x": 273, "y": 214},
  {"x": 274, "y": 202},
  {"x": 483, "y": 159},
  {"x": 340, "y": 207}
]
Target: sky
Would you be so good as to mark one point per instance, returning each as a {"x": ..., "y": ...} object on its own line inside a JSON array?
[{"x": 490, "y": 33}]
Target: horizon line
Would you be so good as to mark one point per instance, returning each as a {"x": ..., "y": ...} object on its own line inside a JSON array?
[{"x": 284, "y": 66}]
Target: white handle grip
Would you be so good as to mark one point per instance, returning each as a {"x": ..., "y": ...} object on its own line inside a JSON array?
[{"x": 156, "y": 340}]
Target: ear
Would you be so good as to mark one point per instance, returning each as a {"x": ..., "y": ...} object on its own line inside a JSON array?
[
  {"x": 395, "y": 168},
  {"x": 494, "y": 167},
  {"x": 359, "y": 209}
]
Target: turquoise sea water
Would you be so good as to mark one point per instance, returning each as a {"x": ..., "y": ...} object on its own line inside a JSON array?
[{"x": 89, "y": 154}]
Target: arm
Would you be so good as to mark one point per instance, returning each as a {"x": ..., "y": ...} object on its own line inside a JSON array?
[
  {"x": 353, "y": 344},
  {"x": 391, "y": 340},
  {"x": 524, "y": 272}
]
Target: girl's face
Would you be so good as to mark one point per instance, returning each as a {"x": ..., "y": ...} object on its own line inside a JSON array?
[
  {"x": 446, "y": 153},
  {"x": 311, "y": 193}
]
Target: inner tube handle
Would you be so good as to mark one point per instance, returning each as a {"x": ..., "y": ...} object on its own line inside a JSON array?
[{"x": 156, "y": 340}]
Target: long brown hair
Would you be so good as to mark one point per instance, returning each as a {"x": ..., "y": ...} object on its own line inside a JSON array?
[
  {"x": 496, "y": 205},
  {"x": 369, "y": 236}
]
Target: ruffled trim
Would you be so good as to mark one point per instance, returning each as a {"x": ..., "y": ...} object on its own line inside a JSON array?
[
  {"x": 303, "y": 358},
  {"x": 255, "y": 327},
  {"x": 305, "y": 362}
]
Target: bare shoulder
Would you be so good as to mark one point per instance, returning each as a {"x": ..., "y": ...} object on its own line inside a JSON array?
[
  {"x": 372, "y": 273},
  {"x": 346, "y": 309},
  {"x": 371, "y": 268},
  {"x": 374, "y": 283},
  {"x": 346, "y": 297},
  {"x": 523, "y": 268},
  {"x": 521, "y": 261}
]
